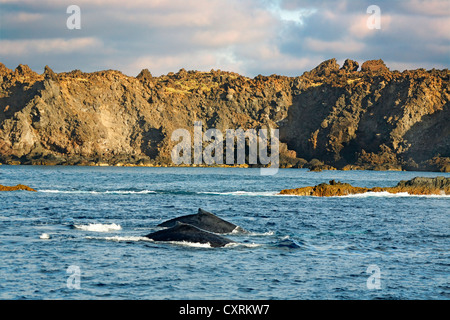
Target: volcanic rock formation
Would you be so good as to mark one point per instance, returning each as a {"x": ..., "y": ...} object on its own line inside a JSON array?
[{"x": 335, "y": 117}]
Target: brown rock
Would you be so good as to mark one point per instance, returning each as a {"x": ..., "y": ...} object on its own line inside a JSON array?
[
  {"x": 49, "y": 74},
  {"x": 23, "y": 70},
  {"x": 416, "y": 186},
  {"x": 421, "y": 185},
  {"x": 350, "y": 66},
  {"x": 326, "y": 190},
  {"x": 374, "y": 66},
  {"x": 16, "y": 188},
  {"x": 325, "y": 68},
  {"x": 4, "y": 70},
  {"x": 144, "y": 75}
]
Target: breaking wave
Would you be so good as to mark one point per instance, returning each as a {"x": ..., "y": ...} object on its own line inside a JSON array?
[
  {"x": 179, "y": 243},
  {"x": 121, "y": 238},
  {"x": 98, "y": 192},
  {"x": 383, "y": 194},
  {"x": 386, "y": 194},
  {"x": 243, "y": 193},
  {"x": 230, "y": 193},
  {"x": 98, "y": 227}
]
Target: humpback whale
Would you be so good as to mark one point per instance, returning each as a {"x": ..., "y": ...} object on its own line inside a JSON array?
[
  {"x": 205, "y": 220},
  {"x": 186, "y": 232}
]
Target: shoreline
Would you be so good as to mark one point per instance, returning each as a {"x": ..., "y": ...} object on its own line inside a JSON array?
[{"x": 245, "y": 166}]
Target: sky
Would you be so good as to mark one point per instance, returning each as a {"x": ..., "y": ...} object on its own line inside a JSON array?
[{"x": 250, "y": 37}]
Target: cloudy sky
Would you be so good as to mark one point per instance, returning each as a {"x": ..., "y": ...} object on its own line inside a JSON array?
[{"x": 251, "y": 37}]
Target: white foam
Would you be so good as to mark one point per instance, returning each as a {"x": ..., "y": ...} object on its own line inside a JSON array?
[
  {"x": 231, "y": 193},
  {"x": 191, "y": 244},
  {"x": 58, "y": 191},
  {"x": 97, "y": 192},
  {"x": 99, "y": 227},
  {"x": 44, "y": 236},
  {"x": 240, "y": 244},
  {"x": 382, "y": 194},
  {"x": 247, "y": 193},
  {"x": 386, "y": 194},
  {"x": 140, "y": 238},
  {"x": 121, "y": 238},
  {"x": 260, "y": 234},
  {"x": 244, "y": 193},
  {"x": 180, "y": 243},
  {"x": 131, "y": 192}
]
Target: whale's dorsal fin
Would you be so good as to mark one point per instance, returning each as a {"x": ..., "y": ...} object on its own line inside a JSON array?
[{"x": 201, "y": 211}]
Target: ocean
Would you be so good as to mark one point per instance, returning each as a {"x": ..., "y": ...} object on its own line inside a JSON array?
[{"x": 81, "y": 236}]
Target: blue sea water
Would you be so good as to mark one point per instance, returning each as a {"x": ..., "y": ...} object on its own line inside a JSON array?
[{"x": 358, "y": 247}]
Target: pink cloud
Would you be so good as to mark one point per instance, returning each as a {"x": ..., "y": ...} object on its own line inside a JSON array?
[
  {"x": 55, "y": 45},
  {"x": 428, "y": 7}
]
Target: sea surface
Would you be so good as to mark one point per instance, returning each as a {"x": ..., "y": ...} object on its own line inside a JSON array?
[{"x": 81, "y": 236}]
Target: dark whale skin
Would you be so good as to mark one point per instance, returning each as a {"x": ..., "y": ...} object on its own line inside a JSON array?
[
  {"x": 188, "y": 233},
  {"x": 205, "y": 220}
]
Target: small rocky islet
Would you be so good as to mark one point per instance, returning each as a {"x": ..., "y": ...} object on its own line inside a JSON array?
[
  {"x": 16, "y": 188},
  {"x": 416, "y": 186}
]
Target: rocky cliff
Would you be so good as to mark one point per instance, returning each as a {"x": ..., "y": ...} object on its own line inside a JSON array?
[{"x": 330, "y": 117}]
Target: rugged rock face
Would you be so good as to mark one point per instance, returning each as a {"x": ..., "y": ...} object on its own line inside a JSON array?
[
  {"x": 330, "y": 117},
  {"x": 420, "y": 185},
  {"x": 372, "y": 120},
  {"x": 350, "y": 66},
  {"x": 416, "y": 186}
]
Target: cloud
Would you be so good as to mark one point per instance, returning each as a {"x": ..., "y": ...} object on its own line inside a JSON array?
[
  {"x": 349, "y": 47},
  {"x": 428, "y": 7},
  {"x": 22, "y": 17},
  {"x": 55, "y": 46},
  {"x": 247, "y": 36}
]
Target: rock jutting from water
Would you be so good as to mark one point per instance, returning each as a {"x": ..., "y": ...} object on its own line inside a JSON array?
[
  {"x": 16, "y": 188},
  {"x": 416, "y": 186}
]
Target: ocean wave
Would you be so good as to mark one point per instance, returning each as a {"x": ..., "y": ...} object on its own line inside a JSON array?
[
  {"x": 179, "y": 192},
  {"x": 260, "y": 234},
  {"x": 287, "y": 243},
  {"x": 140, "y": 238},
  {"x": 121, "y": 238},
  {"x": 98, "y": 192},
  {"x": 178, "y": 243},
  {"x": 359, "y": 195},
  {"x": 189, "y": 244},
  {"x": 99, "y": 227},
  {"x": 386, "y": 194},
  {"x": 238, "y": 193},
  {"x": 243, "y": 193},
  {"x": 63, "y": 191},
  {"x": 208, "y": 245},
  {"x": 131, "y": 192},
  {"x": 241, "y": 244},
  {"x": 44, "y": 236}
]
